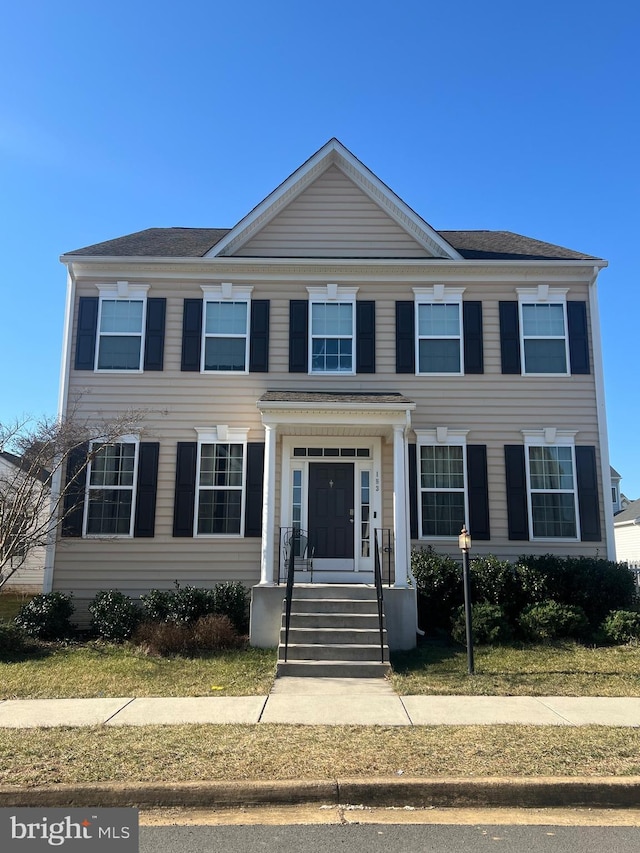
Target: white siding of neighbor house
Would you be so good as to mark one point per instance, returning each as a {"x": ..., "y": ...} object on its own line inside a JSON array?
[
  {"x": 627, "y": 538},
  {"x": 29, "y": 577},
  {"x": 333, "y": 218},
  {"x": 492, "y": 406}
]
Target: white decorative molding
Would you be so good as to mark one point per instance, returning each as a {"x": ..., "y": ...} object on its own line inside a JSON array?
[
  {"x": 212, "y": 434},
  {"x": 549, "y": 435},
  {"x": 226, "y": 291}
]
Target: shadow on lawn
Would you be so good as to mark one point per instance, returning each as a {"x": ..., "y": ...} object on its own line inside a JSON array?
[{"x": 428, "y": 652}]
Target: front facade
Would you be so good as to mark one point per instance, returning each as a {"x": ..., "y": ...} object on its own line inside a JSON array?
[{"x": 334, "y": 364}]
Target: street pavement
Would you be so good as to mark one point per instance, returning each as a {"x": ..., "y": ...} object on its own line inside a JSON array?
[{"x": 324, "y": 701}]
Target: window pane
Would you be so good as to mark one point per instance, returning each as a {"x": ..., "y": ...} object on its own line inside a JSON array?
[
  {"x": 439, "y": 356},
  {"x": 221, "y": 465},
  {"x": 333, "y": 318},
  {"x": 219, "y": 511},
  {"x": 331, "y": 354},
  {"x": 224, "y": 353},
  {"x": 551, "y": 467},
  {"x": 226, "y": 318},
  {"x": 116, "y": 353},
  {"x": 121, "y": 315},
  {"x": 109, "y": 511},
  {"x": 442, "y": 513},
  {"x": 554, "y": 515},
  {"x": 543, "y": 320},
  {"x": 113, "y": 466},
  {"x": 542, "y": 356},
  {"x": 437, "y": 320},
  {"x": 441, "y": 467}
]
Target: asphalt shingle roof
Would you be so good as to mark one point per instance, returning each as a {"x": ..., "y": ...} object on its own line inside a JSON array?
[
  {"x": 196, "y": 242},
  {"x": 628, "y": 514}
]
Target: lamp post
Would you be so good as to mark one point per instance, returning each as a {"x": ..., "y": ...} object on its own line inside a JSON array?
[{"x": 464, "y": 542}]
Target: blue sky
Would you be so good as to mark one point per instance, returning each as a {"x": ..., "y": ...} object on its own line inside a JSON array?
[{"x": 116, "y": 117}]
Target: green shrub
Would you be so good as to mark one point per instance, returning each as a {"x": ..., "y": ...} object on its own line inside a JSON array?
[
  {"x": 47, "y": 616},
  {"x": 439, "y": 584},
  {"x": 114, "y": 615},
  {"x": 622, "y": 626},
  {"x": 231, "y": 599},
  {"x": 12, "y": 638},
  {"x": 511, "y": 586},
  {"x": 489, "y": 625},
  {"x": 189, "y": 603},
  {"x": 156, "y": 605},
  {"x": 550, "y": 620},
  {"x": 208, "y": 633}
]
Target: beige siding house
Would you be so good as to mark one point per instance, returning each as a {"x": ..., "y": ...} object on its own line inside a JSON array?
[{"x": 334, "y": 364}]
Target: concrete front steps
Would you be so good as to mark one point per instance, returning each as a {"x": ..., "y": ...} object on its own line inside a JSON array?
[{"x": 333, "y": 633}]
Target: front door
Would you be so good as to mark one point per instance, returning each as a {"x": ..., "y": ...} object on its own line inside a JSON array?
[{"x": 331, "y": 510}]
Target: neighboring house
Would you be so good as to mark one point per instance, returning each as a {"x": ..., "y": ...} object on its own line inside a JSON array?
[
  {"x": 331, "y": 362},
  {"x": 29, "y": 574},
  {"x": 626, "y": 525}
]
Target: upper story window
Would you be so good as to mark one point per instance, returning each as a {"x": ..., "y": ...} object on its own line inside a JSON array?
[
  {"x": 121, "y": 327},
  {"x": 111, "y": 489},
  {"x": 332, "y": 321},
  {"x": 551, "y": 481},
  {"x": 220, "y": 494},
  {"x": 439, "y": 338},
  {"x": 225, "y": 338},
  {"x": 543, "y": 323},
  {"x": 442, "y": 481}
]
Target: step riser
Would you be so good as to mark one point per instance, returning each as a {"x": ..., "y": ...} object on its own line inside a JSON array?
[
  {"x": 329, "y": 621},
  {"x": 322, "y": 591},
  {"x": 333, "y": 605},
  {"x": 341, "y": 636},
  {"x": 328, "y": 653},
  {"x": 337, "y": 669}
]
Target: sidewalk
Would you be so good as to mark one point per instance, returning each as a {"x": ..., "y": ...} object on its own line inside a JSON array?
[{"x": 324, "y": 701}]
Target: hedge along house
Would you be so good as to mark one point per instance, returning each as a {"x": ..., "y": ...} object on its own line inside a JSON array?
[{"x": 332, "y": 363}]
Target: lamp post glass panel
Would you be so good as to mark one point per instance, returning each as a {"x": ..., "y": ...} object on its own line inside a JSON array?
[{"x": 464, "y": 542}]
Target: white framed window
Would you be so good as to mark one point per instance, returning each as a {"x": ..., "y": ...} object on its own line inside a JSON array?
[
  {"x": 442, "y": 482},
  {"x": 332, "y": 325},
  {"x": 121, "y": 326},
  {"x": 544, "y": 342},
  {"x": 439, "y": 338},
  {"x": 110, "y": 491},
  {"x": 551, "y": 484},
  {"x": 221, "y": 478},
  {"x": 225, "y": 328}
]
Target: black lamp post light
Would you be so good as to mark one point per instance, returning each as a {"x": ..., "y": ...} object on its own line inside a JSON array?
[{"x": 464, "y": 543}]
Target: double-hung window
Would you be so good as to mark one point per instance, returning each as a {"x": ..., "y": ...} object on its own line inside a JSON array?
[
  {"x": 551, "y": 480},
  {"x": 439, "y": 338},
  {"x": 225, "y": 344},
  {"x": 332, "y": 322},
  {"x": 111, "y": 481},
  {"x": 543, "y": 324},
  {"x": 121, "y": 325},
  {"x": 442, "y": 481},
  {"x": 221, "y": 480}
]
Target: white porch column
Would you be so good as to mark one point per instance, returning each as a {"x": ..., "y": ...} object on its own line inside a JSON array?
[
  {"x": 268, "y": 507},
  {"x": 400, "y": 529}
]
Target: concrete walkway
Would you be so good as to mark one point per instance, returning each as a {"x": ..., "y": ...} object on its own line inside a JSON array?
[{"x": 324, "y": 701}]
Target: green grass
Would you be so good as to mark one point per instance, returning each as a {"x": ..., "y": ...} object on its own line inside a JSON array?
[
  {"x": 97, "y": 669},
  {"x": 181, "y": 753},
  {"x": 563, "y": 669},
  {"x": 11, "y": 602}
]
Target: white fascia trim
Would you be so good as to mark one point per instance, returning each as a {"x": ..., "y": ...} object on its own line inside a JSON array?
[
  {"x": 227, "y": 291},
  {"x": 222, "y": 433},
  {"x": 601, "y": 409}
]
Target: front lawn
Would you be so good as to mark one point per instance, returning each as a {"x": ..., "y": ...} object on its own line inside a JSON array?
[{"x": 561, "y": 669}]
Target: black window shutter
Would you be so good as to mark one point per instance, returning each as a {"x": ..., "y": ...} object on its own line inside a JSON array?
[
  {"x": 259, "y": 336},
  {"x": 478, "y": 492},
  {"x": 86, "y": 332},
  {"x": 588, "y": 502},
  {"x": 365, "y": 337},
  {"x": 255, "y": 480},
  {"x": 405, "y": 337},
  {"x": 413, "y": 491},
  {"x": 473, "y": 345},
  {"x": 75, "y": 482},
  {"x": 185, "y": 493},
  {"x": 578, "y": 337},
  {"x": 191, "y": 334},
  {"x": 298, "y": 336},
  {"x": 154, "y": 334},
  {"x": 516, "y": 479},
  {"x": 147, "y": 486},
  {"x": 510, "y": 337}
]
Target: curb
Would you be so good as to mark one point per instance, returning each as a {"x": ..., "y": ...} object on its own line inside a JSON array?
[{"x": 515, "y": 792}]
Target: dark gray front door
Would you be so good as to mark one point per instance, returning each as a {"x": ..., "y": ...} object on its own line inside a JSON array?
[{"x": 331, "y": 508}]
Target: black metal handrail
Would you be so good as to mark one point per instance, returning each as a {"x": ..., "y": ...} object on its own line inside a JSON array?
[
  {"x": 291, "y": 570},
  {"x": 377, "y": 574}
]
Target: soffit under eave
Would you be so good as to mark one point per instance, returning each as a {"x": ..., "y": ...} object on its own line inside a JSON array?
[{"x": 334, "y": 153}]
